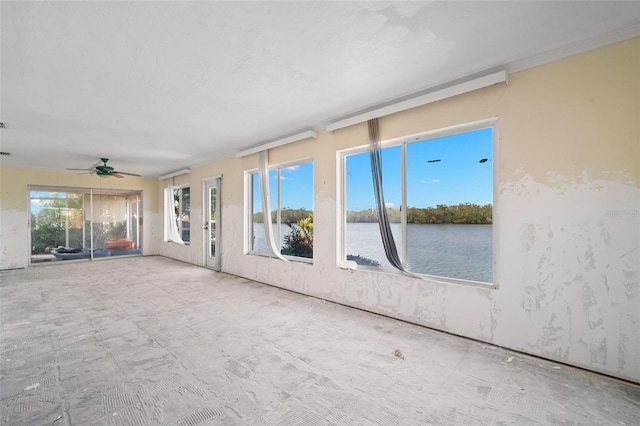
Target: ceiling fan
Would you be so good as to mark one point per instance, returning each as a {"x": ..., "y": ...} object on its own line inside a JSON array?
[{"x": 105, "y": 171}]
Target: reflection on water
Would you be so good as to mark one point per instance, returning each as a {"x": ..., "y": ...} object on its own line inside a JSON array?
[{"x": 455, "y": 251}]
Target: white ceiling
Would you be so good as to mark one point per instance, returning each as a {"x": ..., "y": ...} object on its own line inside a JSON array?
[{"x": 158, "y": 86}]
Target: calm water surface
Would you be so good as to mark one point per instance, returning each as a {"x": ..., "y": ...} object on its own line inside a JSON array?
[{"x": 456, "y": 251}]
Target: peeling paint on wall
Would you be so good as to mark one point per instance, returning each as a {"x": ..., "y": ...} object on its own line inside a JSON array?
[
  {"x": 14, "y": 230},
  {"x": 14, "y": 212},
  {"x": 580, "y": 263},
  {"x": 567, "y": 235}
]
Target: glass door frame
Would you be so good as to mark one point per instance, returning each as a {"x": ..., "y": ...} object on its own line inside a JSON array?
[
  {"x": 213, "y": 262},
  {"x": 131, "y": 197}
]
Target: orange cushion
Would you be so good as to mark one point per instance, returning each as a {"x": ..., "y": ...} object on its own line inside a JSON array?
[{"x": 119, "y": 243}]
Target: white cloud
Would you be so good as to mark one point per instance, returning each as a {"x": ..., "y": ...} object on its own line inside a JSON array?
[
  {"x": 290, "y": 169},
  {"x": 389, "y": 205},
  {"x": 430, "y": 182}
]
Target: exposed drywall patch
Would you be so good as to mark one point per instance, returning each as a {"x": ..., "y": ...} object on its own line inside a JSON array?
[
  {"x": 529, "y": 233},
  {"x": 580, "y": 262},
  {"x": 431, "y": 306},
  {"x": 488, "y": 322},
  {"x": 558, "y": 245},
  {"x": 152, "y": 227},
  {"x": 567, "y": 234},
  {"x": 618, "y": 176},
  {"x": 13, "y": 239}
]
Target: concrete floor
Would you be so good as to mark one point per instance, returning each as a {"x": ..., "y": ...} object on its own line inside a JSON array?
[{"x": 141, "y": 341}]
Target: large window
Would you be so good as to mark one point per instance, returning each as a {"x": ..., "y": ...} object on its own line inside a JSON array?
[
  {"x": 291, "y": 202},
  {"x": 83, "y": 223},
  {"x": 182, "y": 211},
  {"x": 439, "y": 197}
]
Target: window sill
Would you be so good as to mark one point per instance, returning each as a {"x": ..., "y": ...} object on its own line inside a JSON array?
[
  {"x": 306, "y": 260},
  {"x": 185, "y": 243},
  {"x": 352, "y": 266}
]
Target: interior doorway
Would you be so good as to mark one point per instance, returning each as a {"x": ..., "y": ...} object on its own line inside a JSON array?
[{"x": 212, "y": 230}]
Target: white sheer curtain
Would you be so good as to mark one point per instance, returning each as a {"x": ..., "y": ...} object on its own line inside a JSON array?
[
  {"x": 108, "y": 208},
  {"x": 263, "y": 177},
  {"x": 171, "y": 225}
]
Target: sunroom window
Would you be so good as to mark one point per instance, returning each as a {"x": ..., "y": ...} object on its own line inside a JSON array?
[
  {"x": 438, "y": 192},
  {"x": 182, "y": 211},
  {"x": 291, "y": 200}
]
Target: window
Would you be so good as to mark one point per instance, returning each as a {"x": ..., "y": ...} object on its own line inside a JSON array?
[
  {"x": 182, "y": 207},
  {"x": 82, "y": 223},
  {"x": 57, "y": 220},
  {"x": 291, "y": 200},
  {"x": 439, "y": 196}
]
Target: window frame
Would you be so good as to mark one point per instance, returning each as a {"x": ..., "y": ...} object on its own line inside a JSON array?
[
  {"x": 90, "y": 196},
  {"x": 403, "y": 141},
  {"x": 178, "y": 220},
  {"x": 249, "y": 203}
]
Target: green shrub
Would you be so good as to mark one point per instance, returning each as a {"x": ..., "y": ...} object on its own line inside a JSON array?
[{"x": 300, "y": 241}]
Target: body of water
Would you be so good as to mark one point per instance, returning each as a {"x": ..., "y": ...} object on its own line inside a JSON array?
[
  {"x": 455, "y": 251},
  {"x": 259, "y": 239}
]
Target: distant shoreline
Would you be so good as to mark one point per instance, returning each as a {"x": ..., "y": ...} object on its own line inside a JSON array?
[
  {"x": 463, "y": 213},
  {"x": 442, "y": 214},
  {"x": 437, "y": 224}
]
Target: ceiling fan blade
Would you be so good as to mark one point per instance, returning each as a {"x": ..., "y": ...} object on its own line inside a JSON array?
[{"x": 104, "y": 170}]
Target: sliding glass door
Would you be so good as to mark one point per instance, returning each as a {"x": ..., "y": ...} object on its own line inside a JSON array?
[
  {"x": 56, "y": 221},
  {"x": 83, "y": 223}
]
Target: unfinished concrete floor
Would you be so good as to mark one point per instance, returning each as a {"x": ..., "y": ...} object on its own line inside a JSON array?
[{"x": 141, "y": 341}]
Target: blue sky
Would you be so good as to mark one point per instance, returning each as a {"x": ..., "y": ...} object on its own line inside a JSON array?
[
  {"x": 296, "y": 185},
  {"x": 445, "y": 170}
]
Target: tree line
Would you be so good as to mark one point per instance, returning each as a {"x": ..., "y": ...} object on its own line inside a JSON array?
[
  {"x": 463, "y": 213},
  {"x": 287, "y": 215}
]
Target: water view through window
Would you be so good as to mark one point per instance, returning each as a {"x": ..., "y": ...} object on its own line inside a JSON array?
[
  {"x": 291, "y": 200},
  {"x": 446, "y": 227}
]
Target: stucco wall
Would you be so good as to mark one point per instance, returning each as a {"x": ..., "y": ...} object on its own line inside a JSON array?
[
  {"x": 567, "y": 199},
  {"x": 14, "y": 208}
]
